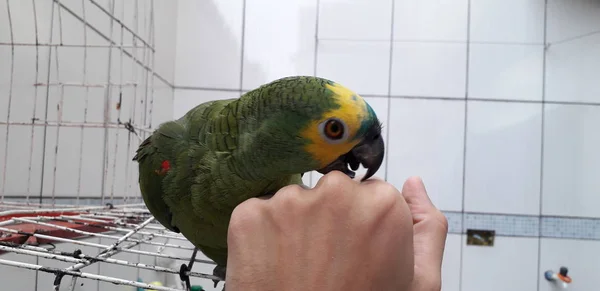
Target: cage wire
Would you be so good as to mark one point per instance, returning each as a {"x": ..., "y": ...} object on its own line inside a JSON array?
[{"x": 43, "y": 223}]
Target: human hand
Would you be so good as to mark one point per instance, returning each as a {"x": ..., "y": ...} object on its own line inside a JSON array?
[{"x": 340, "y": 235}]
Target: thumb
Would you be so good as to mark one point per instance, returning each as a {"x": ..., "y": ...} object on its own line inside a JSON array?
[
  {"x": 430, "y": 230},
  {"x": 416, "y": 196}
]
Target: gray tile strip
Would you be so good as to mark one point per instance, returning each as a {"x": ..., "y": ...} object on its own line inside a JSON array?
[
  {"x": 571, "y": 227},
  {"x": 526, "y": 225}
]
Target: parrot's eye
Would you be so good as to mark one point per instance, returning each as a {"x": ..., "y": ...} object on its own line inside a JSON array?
[{"x": 334, "y": 130}]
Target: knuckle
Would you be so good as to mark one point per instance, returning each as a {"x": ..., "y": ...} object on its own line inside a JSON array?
[
  {"x": 332, "y": 180},
  {"x": 288, "y": 197},
  {"x": 293, "y": 189},
  {"x": 245, "y": 218},
  {"x": 383, "y": 203},
  {"x": 392, "y": 212},
  {"x": 387, "y": 195},
  {"x": 442, "y": 220},
  {"x": 335, "y": 186},
  {"x": 290, "y": 200}
]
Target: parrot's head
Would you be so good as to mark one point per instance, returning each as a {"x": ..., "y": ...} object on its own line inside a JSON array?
[
  {"x": 346, "y": 134},
  {"x": 321, "y": 125}
]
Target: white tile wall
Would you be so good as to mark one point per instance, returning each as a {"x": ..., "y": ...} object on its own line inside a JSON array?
[
  {"x": 562, "y": 59},
  {"x": 570, "y": 19},
  {"x": 272, "y": 51},
  {"x": 164, "y": 38},
  {"x": 511, "y": 264},
  {"x": 355, "y": 20},
  {"x": 426, "y": 138},
  {"x": 208, "y": 46},
  {"x": 428, "y": 69},
  {"x": 508, "y": 21},
  {"x": 451, "y": 263},
  {"x": 362, "y": 65},
  {"x": 506, "y": 71},
  {"x": 503, "y": 157},
  {"x": 571, "y": 157},
  {"x": 573, "y": 45},
  {"x": 431, "y": 20},
  {"x": 428, "y": 55}
]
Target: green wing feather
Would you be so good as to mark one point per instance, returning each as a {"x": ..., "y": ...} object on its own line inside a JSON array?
[
  {"x": 150, "y": 155},
  {"x": 165, "y": 144}
]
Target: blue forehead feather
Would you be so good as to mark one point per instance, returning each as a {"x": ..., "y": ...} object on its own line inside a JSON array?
[{"x": 366, "y": 123}]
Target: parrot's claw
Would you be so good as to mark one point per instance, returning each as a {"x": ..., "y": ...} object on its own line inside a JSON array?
[{"x": 219, "y": 271}]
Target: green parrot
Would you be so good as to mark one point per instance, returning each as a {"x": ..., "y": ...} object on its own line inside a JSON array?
[{"x": 195, "y": 170}]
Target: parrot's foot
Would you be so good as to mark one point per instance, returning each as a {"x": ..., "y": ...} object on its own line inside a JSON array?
[{"x": 219, "y": 271}]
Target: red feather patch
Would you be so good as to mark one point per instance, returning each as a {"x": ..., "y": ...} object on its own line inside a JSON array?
[{"x": 165, "y": 166}]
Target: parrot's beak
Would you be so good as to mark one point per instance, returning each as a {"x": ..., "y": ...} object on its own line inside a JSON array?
[{"x": 369, "y": 153}]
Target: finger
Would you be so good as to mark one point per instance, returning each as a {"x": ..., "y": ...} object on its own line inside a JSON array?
[
  {"x": 415, "y": 194},
  {"x": 430, "y": 225}
]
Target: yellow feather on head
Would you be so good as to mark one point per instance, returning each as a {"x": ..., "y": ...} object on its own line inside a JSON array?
[{"x": 352, "y": 111}]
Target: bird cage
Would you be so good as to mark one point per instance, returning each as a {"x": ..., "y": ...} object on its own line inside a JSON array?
[{"x": 78, "y": 93}]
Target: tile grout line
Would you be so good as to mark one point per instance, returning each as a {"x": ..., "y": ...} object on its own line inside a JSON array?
[
  {"x": 464, "y": 171},
  {"x": 376, "y": 40},
  {"x": 389, "y": 91},
  {"x": 242, "y": 45},
  {"x": 315, "y": 63},
  {"x": 541, "y": 198}
]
